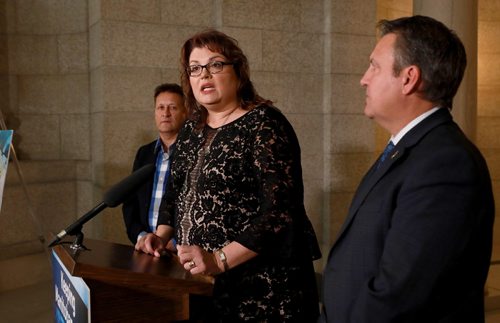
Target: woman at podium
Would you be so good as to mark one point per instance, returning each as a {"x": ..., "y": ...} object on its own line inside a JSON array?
[{"x": 235, "y": 200}]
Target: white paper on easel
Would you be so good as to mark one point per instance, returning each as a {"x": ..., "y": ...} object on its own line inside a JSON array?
[{"x": 5, "y": 142}]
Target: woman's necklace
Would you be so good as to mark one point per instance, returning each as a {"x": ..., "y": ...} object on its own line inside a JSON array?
[
  {"x": 215, "y": 130},
  {"x": 226, "y": 117}
]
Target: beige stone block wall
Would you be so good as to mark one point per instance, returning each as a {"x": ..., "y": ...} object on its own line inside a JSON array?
[
  {"x": 306, "y": 15},
  {"x": 351, "y": 52},
  {"x": 45, "y": 99},
  {"x": 280, "y": 52},
  {"x": 38, "y": 137},
  {"x": 343, "y": 86},
  {"x": 358, "y": 138},
  {"x": 136, "y": 10},
  {"x": 348, "y": 133},
  {"x": 353, "y": 17},
  {"x": 53, "y": 94},
  {"x": 315, "y": 197},
  {"x": 125, "y": 132},
  {"x": 310, "y": 137},
  {"x": 78, "y": 77},
  {"x": 134, "y": 52},
  {"x": 73, "y": 53},
  {"x": 47, "y": 17},
  {"x": 117, "y": 136},
  {"x": 24, "y": 271},
  {"x": 84, "y": 187},
  {"x": 73, "y": 128},
  {"x": 142, "y": 44},
  {"x": 309, "y": 134},
  {"x": 21, "y": 49},
  {"x": 291, "y": 93},
  {"x": 128, "y": 88},
  {"x": 52, "y": 195},
  {"x": 189, "y": 13},
  {"x": 251, "y": 42}
]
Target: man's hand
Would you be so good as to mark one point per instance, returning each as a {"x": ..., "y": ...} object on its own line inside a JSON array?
[{"x": 151, "y": 244}]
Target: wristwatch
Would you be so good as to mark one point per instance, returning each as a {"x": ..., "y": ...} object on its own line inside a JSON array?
[{"x": 223, "y": 259}]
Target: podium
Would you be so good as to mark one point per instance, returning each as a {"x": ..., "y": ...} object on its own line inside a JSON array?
[{"x": 129, "y": 286}]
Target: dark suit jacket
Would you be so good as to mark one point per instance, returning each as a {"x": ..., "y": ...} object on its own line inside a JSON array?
[
  {"x": 416, "y": 243},
  {"x": 136, "y": 208}
]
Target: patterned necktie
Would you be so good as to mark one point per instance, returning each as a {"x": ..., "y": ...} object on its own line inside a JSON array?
[{"x": 385, "y": 153}]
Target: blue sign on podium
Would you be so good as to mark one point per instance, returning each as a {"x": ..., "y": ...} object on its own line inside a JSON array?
[{"x": 72, "y": 295}]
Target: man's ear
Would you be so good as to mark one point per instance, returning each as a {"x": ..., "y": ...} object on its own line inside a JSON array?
[{"x": 410, "y": 78}]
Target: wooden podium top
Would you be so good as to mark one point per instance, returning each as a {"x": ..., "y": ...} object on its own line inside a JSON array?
[{"x": 122, "y": 265}]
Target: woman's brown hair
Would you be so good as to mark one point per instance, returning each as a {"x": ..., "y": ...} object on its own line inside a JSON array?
[{"x": 221, "y": 43}]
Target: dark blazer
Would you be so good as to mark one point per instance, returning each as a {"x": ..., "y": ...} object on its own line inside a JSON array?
[
  {"x": 416, "y": 243},
  {"x": 135, "y": 209}
]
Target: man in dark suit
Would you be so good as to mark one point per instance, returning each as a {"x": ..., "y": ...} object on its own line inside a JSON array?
[
  {"x": 140, "y": 211},
  {"x": 416, "y": 243}
]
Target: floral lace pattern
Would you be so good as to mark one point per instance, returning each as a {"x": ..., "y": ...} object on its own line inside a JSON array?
[{"x": 243, "y": 182}]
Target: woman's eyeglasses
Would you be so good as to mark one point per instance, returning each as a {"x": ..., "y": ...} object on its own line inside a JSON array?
[{"x": 212, "y": 67}]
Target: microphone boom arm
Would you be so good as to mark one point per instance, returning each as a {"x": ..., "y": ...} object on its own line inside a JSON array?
[
  {"x": 76, "y": 226},
  {"x": 114, "y": 197}
]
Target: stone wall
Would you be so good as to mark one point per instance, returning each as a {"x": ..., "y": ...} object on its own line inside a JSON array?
[
  {"x": 77, "y": 80},
  {"x": 45, "y": 99}
]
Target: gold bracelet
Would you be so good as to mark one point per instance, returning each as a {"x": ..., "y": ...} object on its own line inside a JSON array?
[{"x": 223, "y": 258}]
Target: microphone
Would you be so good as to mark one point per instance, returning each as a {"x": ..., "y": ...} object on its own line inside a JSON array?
[
  {"x": 117, "y": 194},
  {"x": 112, "y": 198}
]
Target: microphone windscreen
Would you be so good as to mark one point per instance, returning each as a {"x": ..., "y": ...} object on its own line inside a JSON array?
[{"x": 120, "y": 191}]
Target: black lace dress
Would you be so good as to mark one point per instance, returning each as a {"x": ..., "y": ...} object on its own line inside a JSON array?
[{"x": 243, "y": 182}]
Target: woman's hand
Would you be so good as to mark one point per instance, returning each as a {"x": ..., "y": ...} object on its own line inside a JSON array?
[
  {"x": 198, "y": 261},
  {"x": 151, "y": 244}
]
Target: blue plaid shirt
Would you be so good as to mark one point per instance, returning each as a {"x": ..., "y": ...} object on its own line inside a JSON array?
[{"x": 162, "y": 174}]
